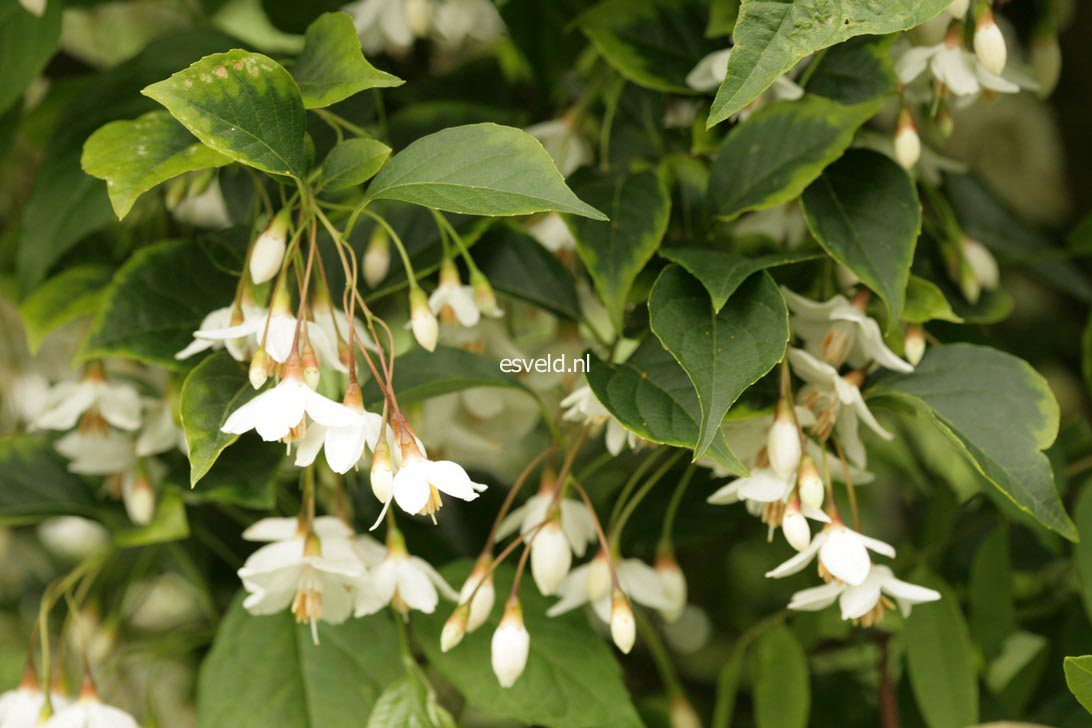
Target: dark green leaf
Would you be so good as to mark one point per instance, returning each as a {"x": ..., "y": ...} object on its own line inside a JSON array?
[
  {"x": 478, "y": 169},
  {"x": 782, "y": 691},
  {"x": 68, "y": 295},
  {"x": 243, "y": 105},
  {"x": 332, "y": 67},
  {"x": 721, "y": 273},
  {"x": 420, "y": 375},
  {"x": 855, "y": 72},
  {"x": 639, "y": 207},
  {"x": 770, "y": 37},
  {"x": 35, "y": 483},
  {"x": 27, "y": 42},
  {"x": 779, "y": 151},
  {"x": 517, "y": 264},
  {"x": 992, "y": 617},
  {"x": 1082, "y": 551},
  {"x": 723, "y": 353},
  {"x": 728, "y": 680},
  {"x": 864, "y": 211},
  {"x": 352, "y": 162},
  {"x": 169, "y": 524}
]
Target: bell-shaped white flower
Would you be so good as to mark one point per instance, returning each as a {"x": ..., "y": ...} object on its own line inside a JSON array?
[
  {"x": 551, "y": 556},
  {"x": 577, "y": 522},
  {"x": 405, "y": 582},
  {"x": 907, "y": 141},
  {"x": 461, "y": 22},
  {"x": 843, "y": 554},
  {"x": 22, "y": 706},
  {"x": 389, "y": 25},
  {"x": 989, "y": 44},
  {"x": 94, "y": 454},
  {"x": 343, "y": 446},
  {"x": 795, "y": 526},
  {"x": 88, "y": 711},
  {"x": 783, "y": 447},
  {"x": 377, "y": 257},
  {"x": 673, "y": 582},
  {"x": 510, "y": 646},
  {"x": 568, "y": 150},
  {"x": 273, "y": 414},
  {"x": 244, "y": 322},
  {"x": 138, "y": 496},
  {"x": 551, "y": 231},
  {"x": 72, "y": 538},
  {"x": 839, "y": 331},
  {"x": 867, "y": 601},
  {"x": 159, "y": 433},
  {"x": 958, "y": 8},
  {"x": 951, "y": 64},
  {"x": 623, "y": 628},
  {"x": 710, "y": 72},
  {"x": 118, "y": 403},
  {"x": 481, "y": 597},
  {"x": 268, "y": 252},
  {"x": 423, "y": 321},
  {"x": 581, "y": 405},
  {"x": 837, "y": 403},
  {"x": 981, "y": 262},
  {"x": 452, "y": 301},
  {"x": 419, "y": 482},
  {"x": 638, "y": 582}
]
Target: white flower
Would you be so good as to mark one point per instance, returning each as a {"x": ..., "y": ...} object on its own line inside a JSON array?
[
  {"x": 377, "y": 257},
  {"x": 981, "y": 262},
  {"x": 451, "y": 300},
  {"x": 481, "y": 605},
  {"x": 458, "y": 22},
  {"x": 989, "y": 44},
  {"x": 838, "y": 331},
  {"x": 553, "y": 233},
  {"x": 958, "y": 8},
  {"x": 315, "y": 571},
  {"x": 585, "y": 584},
  {"x": 562, "y": 142},
  {"x": 423, "y": 321},
  {"x": 71, "y": 537},
  {"x": 21, "y": 707},
  {"x": 954, "y": 66},
  {"x": 783, "y": 448},
  {"x": 89, "y": 712},
  {"x": 907, "y": 141},
  {"x": 268, "y": 252},
  {"x": 243, "y": 324},
  {"x": 673, "y": 582},
  {"x": 405, "y": 582},
  {"x": 138, "y": 496},
  {"x": 836, "y": 402},
  {"x": 94, "y": 454},
  {"x": 385, "y": 25},
  {"x": 623, "y": 628},
  {"x": 344, "y": 446},
  {"x": 843, "y": 555},
  {"x": 551, "y": 556},
  {"x": 577, "y": 522},
  {"x": 273, "y": 414},
  {"x": 25, "y": 395},
  {"x": 762, "y": 486},
  {"x": 581, "y": 405},
  {"x": 784, "y": 223},
  {"x": 116, "y": 403},
  {"x": 160, "y": 433},
  {"x": 205, "y": 209},
  {"x": 34, "y": 7},
  {"x": 865, "y": 602},
  {"x": 280, "y": 335},
  {"x": 510, "y": 645},
  {"x": 711, "y": 70},
  {"x": 419, "y": 482}
]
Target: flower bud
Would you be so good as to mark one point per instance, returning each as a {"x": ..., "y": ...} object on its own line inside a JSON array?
[
  {"x": 682, "y": 713},
  {"x": 423, "y": 321},
  {"x": 623, "y": 630},
  {"x": 981, "y": 262},
  {"x": 673, "y": 582},
  {"x": 309, "y": 362},
  {"x": 795, "y": 526},
  {"x": 259, "y": 369},
  {"x": 455, "y": 627},
  {"x": 958, "y": 8},
  {"x": 484, "y": 297},
  {"x": 914, "y": 344},
  {"x": 551, "y": 556},
  {"x": 783, "y": 441},
  {"x": 377, "y": 257},
  {"x": 907, "y": 142},
  {"x": 989, "y": 44},
  {"x": 511, "y": 645},
  {"x": 599, "y": 581},
  {"x": 268, "y": 251},
  {"x": 481, "y": 605},
  {"x": 382, "y": 474},
  {"x": 1046, "y": 60},
  {"x": 810, "y": 484},
  {"x": 139, "y": 498}
]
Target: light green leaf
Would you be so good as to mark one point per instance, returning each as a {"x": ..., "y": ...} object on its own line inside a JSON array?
[
  {"x": 35, "y": 483},
  {"x": 243, "y": 105},
  {"x": 27, "y": 42},
  {"x": 653, "y": 43},
  {"x": 265, "y": 671},
  {"x": 135, "y": 156},
  {"x": 169, "y": 524},
  {"x": 421, "y": 375},
  {"x": 332, "y": 66},
  {"x": 211, "y": 392},
  {"x": 1082, "y": 551},
  {"x": 926, "y": 302},
  {"x": 770, "y": 36},
  {"x": 940, "y": 660},
  {"x": 639, "y": 207},
  {"x": 1078, "y": 676},
  {"x": 517, "y": 264},
  {"x": 156, "y": 302},
  {"x": 571, "y": 679},
  {"x": 779, "y": 151},
  {"x": 408, "y": 704},
  {"x": 992, "y": 614},
  {"x": 352, "y": 162},
  {"x": 478, "y": 169},
  {"x": 721, "y": 273},
  {"x": 651, "y": 395},
  {"x": 723, "y": 353},
  {"x": 782, "y": 692},
  {"x": 1001, "y": 412},
  {"x": 855, "y": 72},
  {"x": 864, "y": 211},
  {"x": 72, "y": 293}
]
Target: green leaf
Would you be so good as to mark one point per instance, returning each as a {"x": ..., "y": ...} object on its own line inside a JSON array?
[
  {"x": 211, "y": 392},
  {"x": 247, "y": 478},
  {"x": 156, "y": 302},
  {"x": 420, "y": 375},
  {"x": 35, "y": 483},
  {"x": 1082, "y": 551},
  {"x": 1001, "y": 412},
  {"x": 722, "y": 273},
  {"x": 27, "y": 42},
  {"x": 1078, "y": 676},
  {"x": 409, "y": 704},
  {"x": 651, "y": 395},
  {"x": 728, "y": 679},
  {"x": 332, "y": 67},
  {"x": 639, "y": 207},
  {"x": 940, "y": 660},
  {"x": 352, "y": 162},
  {"x": 855, "y": 72},
  {"x": 779, "y": 151},
  {"x": 243, "y": 105},
  {"x": 992, "y": 614},
  {"x": 478, "y": 169},
  {"x": 571, "y": 679},
  {"x": 265, "y": 671},
  {"x": 771, "y": 36},
  {"x": 72, "y": 293},
  {"x": 926, "y": 302},
  {"x": 169, "y": 524},
  {"x": 653, "y": 43},
  {"x": 722, "y": 17},
  {"x": 782, "y": 693},
  {"x": 135, "y": 156},
  {"x": 864, "y": 211},
  {"x": 723, "y": 353},
  {"x": 517, "y": 264}
]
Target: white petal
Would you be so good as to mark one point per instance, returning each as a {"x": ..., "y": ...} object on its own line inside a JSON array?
[
  {"x": 326, "y": 411},
  {"x": 816, "y": 598},
  {"x": 642, "y": 584},
  {"x": 764, "y": 486},
  {"x": 119, "y": 405},
  {"x": 573, "y": 591},
  {"x": 437, "y": 580},
  {"x": 415, "y": 588},
  {"x": 411, "y": 487},
  {"x": 878, "y": 546},
  {"x": 344, "y": 447},
  {"x": 858, "y": 601},
  {"x": 844, "y": 555},
  {"x": 67, "y": 401},
  {"x": 272, "y": 529},
  {"x": 450, "y": 478},
  {"x": 308, "y": 448},
  {"x": 800, "y": 560}
]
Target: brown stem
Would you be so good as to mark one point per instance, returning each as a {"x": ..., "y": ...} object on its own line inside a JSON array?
[{"x": 889, "y": 700}]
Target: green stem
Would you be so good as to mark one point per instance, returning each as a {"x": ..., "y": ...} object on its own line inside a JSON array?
[
  {"x": 658, "y": 650},
  {"x": 673, "y": 506},
  {"x": 631, "y": 505}
]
